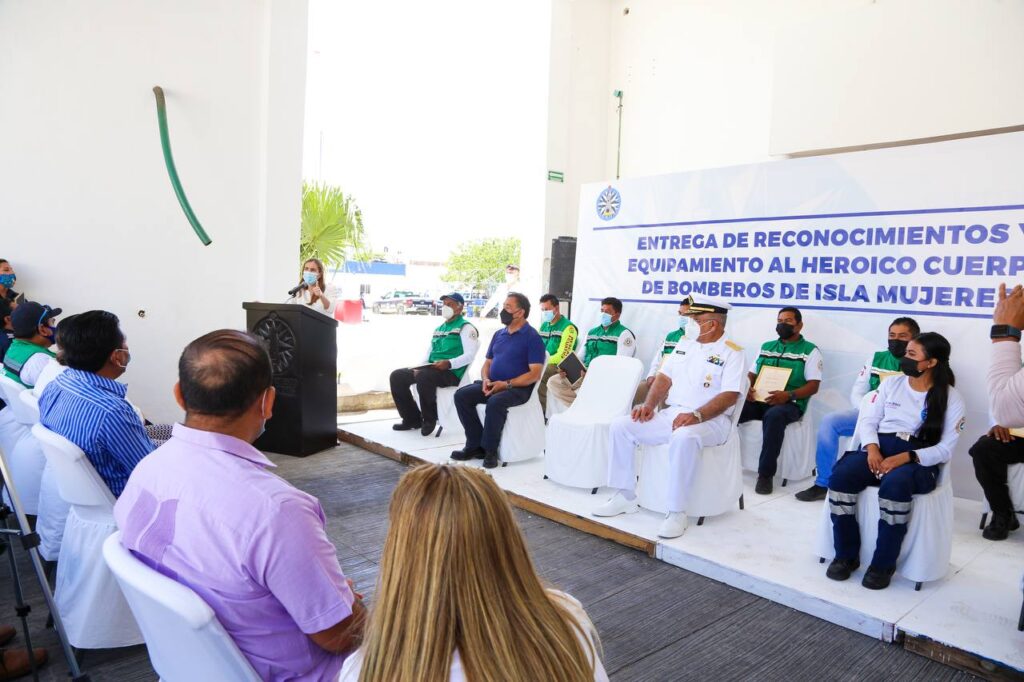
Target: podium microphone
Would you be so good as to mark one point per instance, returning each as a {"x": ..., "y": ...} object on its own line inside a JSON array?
[{"x": 292, "y": 292}]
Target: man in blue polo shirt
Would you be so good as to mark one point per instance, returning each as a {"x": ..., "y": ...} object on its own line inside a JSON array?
[{"x": 515, "y": 361}]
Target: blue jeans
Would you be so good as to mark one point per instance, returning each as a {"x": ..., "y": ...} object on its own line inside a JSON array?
[{"x": 834, "y": 426}]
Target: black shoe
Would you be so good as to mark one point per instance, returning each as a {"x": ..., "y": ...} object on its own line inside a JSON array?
[
  {"x": 1000, "y": 526},
  {"x": 490, "y": 460},
  {"x": 840, "y": 569},
  {"x": 428, "y": 428},
  {"x": 764, "y": 485},
  {"x": 466, "y": 454},
  {"x": 815, "y": 493},
  {"x": 405, "y": 426},
  {"x": 877, "y": 578}
]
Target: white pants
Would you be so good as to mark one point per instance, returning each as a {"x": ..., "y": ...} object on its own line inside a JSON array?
[{"x": 685, "y": 444}]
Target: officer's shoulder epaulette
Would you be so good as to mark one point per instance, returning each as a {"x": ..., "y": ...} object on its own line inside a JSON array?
[{"x": 732, "y": 344}]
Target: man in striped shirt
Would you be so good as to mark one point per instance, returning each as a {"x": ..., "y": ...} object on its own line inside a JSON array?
[{"x": 85, "y": 405}]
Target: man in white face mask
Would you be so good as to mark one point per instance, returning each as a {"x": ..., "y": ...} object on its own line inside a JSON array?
[{"x": 452, "y": 349}]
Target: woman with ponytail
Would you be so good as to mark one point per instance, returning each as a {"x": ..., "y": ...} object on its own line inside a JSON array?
[
  {"x": 908, "y": 429},
  {"x": 458, "y": 597}
]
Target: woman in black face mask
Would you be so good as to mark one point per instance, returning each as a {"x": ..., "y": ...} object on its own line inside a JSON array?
[{"x": 907, "y": 431}]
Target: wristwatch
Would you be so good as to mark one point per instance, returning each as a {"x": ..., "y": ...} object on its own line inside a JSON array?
[
  {"x": 913, "y": 457},
  {"x": 698, "y": 415},
  {"x": 1004, "y": 331},
  {"x": 508, "y": 385}
]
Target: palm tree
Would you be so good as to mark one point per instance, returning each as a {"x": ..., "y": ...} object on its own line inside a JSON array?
[{"x": 332, "y": 225}]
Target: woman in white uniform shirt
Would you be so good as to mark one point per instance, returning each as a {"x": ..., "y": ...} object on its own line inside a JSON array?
[
  {"x": 458, "y": 597},
  {"x": 908, "y": 429},
  {"x": 317, "y": 294}
]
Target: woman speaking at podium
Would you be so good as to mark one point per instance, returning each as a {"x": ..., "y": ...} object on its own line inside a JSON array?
[{"x": 312, "y": 291}]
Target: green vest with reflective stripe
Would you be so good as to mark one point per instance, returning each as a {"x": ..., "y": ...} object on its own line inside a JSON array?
[
  {"x": 17, "y": 355},
  {"x": 882, "y": 362},
  {"x": 601, "y": 341},
  {"x": 551, "y": 335},
  {"x": 671, "y": 341},
  {"x": 447, "y": 342},
  {"x": 791, "y": 355}
]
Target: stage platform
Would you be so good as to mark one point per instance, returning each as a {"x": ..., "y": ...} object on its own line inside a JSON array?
[{"x": 967, "y": 620}]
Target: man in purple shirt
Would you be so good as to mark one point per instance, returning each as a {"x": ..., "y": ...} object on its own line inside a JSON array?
[{"x": 205, "y": 510}]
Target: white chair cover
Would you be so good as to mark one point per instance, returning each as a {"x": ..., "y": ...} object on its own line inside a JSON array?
[
  {"x": 95, "y": 613},
  {"x": 796, "y": 460},
  {"x": 11, "y": 430},
  {"x": 1015, "y": 484},
  {"x": 523, "y": 435},
  {"x": 928, "y": 544},
  {"x": 52, "y": 510},
  {"x": 576, "y": 444},
  {"x": 447, "y": 416},
  {"x": 183, "y": 636},
  {"x": 25, "y": 458},
  {"x": 719, "y": 482}
]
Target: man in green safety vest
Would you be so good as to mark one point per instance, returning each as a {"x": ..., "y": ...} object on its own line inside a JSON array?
[
  {"x": 778, "y": 408},
  {"x": 662, "y": 351},
  {"x": 881, "y": 365},
  {"x": 34, "y": 333},
  {"x": 560, "y": 337},
  {"x": 609, "y": 337},
  {"x": 452, "y": 349}
]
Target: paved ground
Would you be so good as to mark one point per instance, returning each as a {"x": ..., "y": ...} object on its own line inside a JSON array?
[{"x": 656, "y": 622}]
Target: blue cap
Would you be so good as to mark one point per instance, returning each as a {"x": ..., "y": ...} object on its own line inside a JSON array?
[
  {"x": 27, "y": 317},
  {"x": 455, "y": 296}
]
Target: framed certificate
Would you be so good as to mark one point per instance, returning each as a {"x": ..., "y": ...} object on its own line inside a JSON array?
[{"x": 770, "y": 379}]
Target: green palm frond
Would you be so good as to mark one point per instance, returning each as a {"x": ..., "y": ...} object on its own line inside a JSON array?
[{"x": 332, "y": 225}]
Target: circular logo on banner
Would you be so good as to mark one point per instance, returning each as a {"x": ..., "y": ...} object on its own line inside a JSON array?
[{"x": 608, "y": 203}]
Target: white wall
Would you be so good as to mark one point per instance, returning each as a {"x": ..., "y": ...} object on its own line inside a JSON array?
[
  {"x": 89, "y": 218},
  {"x": 898, "y": 70}
]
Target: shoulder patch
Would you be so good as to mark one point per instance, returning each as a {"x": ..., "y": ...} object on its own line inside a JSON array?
[
  {"x": 821, "y": 364},
  {"x": 627, "y": 340},
  {"x": 473, "y": 333},
  {"x": 735, "y": 346}
]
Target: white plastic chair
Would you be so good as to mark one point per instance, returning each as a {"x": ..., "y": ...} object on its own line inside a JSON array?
[
  {"x": 11, "y": 428},
  {"x": 53, "y": 510},
  {"x": 928, "y": 544},
  {"x": 447, "y": 416},
  {"x": 718, "y": 485},
  {"x": 94, "y": 611},
  {"x": 523, "y": 435},
  {"x": 184, "y": 639},
  {"x": 796, "y": 459},
  {"x": 25, "y": 457},
  {"x": 576, "y": 443}
]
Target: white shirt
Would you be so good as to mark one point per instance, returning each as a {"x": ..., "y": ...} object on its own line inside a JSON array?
[
  {"x": 353, "y": 664},
  {"x": 700, "y": 371},
  {"x": 33, "y": 367},
  {"x": 897, "y": 408},
  {"x": 1006, "y": 385},
  {"x": 814, "y": 365},
  {"x": 48, "y": 374},
  {"x": 303, "y": 298},
  {"x": 470, "y": 344}
]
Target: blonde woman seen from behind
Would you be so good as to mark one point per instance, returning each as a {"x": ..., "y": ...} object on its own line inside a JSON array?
[{"x": 458, "y": 597}]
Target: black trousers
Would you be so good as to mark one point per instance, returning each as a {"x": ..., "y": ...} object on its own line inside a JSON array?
[
  {"x": 991, "y": 458},
  {"x": 427, "y": 382},
  {"x": 774, "y": 420},
  {"x": 488, "y": 434}
]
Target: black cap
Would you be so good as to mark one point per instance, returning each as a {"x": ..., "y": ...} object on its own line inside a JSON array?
[
  {"x": 455, "y": 296},
  {"x": 27, "y": 317}
]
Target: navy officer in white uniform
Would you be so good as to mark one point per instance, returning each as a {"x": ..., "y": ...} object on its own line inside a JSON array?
[{"x": 702, "y": 380}]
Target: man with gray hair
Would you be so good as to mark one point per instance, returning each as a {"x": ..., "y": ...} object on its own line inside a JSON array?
[{"x": 701, "y": 381}]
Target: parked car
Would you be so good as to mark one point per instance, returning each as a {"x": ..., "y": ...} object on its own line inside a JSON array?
[{"x": 403, "y": 302}]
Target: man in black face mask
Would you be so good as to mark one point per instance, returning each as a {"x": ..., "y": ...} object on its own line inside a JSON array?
[
  {"x": 781, "y": 408},
  {"x": 515, "y": 361},
  {"x": 835, "y": 425}
]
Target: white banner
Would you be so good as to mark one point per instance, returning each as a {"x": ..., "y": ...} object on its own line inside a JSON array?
[{"x": 853, "y": 240}]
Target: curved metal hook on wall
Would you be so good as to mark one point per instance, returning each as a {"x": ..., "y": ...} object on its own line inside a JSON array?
[{"x": 165, "y": 142}]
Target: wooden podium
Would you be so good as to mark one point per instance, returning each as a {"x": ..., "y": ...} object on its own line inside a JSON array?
[{"x": 303, "y": 348}]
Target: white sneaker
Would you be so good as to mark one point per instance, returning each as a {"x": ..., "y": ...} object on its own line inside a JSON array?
[
  {"x": 618, "y": 504},
  {"x": 674, "y": 525}
]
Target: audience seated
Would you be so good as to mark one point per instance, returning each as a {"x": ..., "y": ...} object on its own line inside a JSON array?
[
  {"x": 701, "y": 381},
  {"x": 560, "y": 337},
  {"x": 609, "y": 337},
  {"x": 87, "y": 406},
  {"x": 452, "y": 349},
  {"x": 835, "y": 425},
  {"x": 1000, "y": 448},
  {"x": 910, "y": 427},
  {"x": 515, "y": 360},
  {"x": 7, "y": 280},
  {"x": 205, "y": 510},
  {"x": 34, "y": 333},
  {"x": 790, "y": 351},
  {"x": 663, "y": 351},
  {"x": 458, "y": 597}
]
